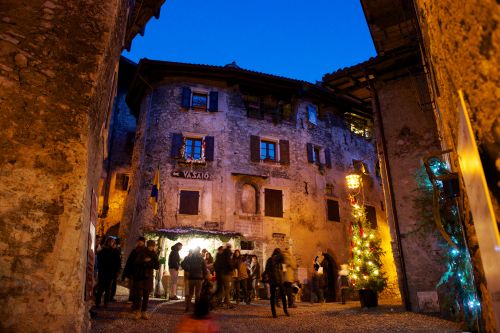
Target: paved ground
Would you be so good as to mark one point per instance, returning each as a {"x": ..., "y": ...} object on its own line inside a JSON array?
[{"x": 256, "y": 317}]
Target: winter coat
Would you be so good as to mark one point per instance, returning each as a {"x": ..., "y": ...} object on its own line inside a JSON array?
[
  {"x": 108, "y": 263},
  {"x": 291, "y": 267},
  {"x": 127, "y": 270},
  {"x": 174, "y": 259},
  {"x": 145, "y": 262},
  {"x": 223, "y": 264},
  {"x": 195, "y": 266},
  {"x": 272, "y": 273},
  {"x": 255, "y": 271},
  {"x": 241, "y": 266}
]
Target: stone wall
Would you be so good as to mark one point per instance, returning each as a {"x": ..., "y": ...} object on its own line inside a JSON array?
[
  {"x": 461, "y": 41},
  {"x": 58, "y": 62},
  {"x": 304, "y": 222},
  {"x": 410, "y": 133}
]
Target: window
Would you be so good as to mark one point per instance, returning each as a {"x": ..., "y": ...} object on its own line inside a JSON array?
[
  {"x": 199, "y": 101},
  {"x": 193, "y": 149},
  {"x": 329, "y": 189},
  {"x": 273, "y": 202},
  {"x": 371, "y": 216},
  {"x": 121, "y": 182},
  {"x": 359, "y": 125},
  {"x": 312, "y": 114},
  {"x": 188, "y": 202},
  {"x": 333, "y": 210},
  {"x": 360, "y": 167},
  {"x": 268, "y": 150},
  {"x": 316, "y": 158},
  {"x": 247, "y": 245}
]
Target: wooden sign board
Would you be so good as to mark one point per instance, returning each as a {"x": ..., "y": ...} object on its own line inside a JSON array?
[{"x": 192, "y": 175}]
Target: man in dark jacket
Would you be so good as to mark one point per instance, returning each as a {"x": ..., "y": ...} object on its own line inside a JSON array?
[
  {"x": 196, "y": 268},
  {"x": 108, "y": 265},
  {"x": 127, "y": 270},
  {"x": 273, "y": 275},
  {"x": 174, "y": 261},
  {"x": 142, "y": 278},
  {"x": 224, "y": 272}
]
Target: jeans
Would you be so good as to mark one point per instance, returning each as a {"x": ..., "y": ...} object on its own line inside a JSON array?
[
  {"x": 224, "y": 288},
  {"x": 241, "y": 285},
  {"x": 103, "y": 286},
  {"x": 289, "y": 293},
  {"x": 140, "y": 296},
  {"x": 174, "y": 275},
  {"x": 194, "y": 289}
]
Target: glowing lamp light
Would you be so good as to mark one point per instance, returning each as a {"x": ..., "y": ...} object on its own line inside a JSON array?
[{"x": 353, "y": 181}]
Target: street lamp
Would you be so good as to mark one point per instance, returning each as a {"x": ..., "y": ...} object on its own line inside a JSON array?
[{"x": 353, "y": 180}]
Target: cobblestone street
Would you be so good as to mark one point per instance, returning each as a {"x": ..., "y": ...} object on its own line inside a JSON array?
[{"x": 330, "y": 317}]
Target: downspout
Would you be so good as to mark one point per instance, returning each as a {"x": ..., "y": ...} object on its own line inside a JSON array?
[{"x": 378, "y": 114}]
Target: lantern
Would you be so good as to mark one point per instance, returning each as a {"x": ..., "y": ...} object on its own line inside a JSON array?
[{"x": 353, "y": 181}]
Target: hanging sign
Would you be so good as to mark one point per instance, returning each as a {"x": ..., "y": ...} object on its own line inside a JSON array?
[{"x": 192, "y": 175}]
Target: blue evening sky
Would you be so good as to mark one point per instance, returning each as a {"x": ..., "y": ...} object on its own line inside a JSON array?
[{"x": 292, "y": 38}]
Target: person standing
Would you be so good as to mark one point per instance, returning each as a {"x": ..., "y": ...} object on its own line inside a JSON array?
[
  {"x": 289, "y": 269},
  {"x": 118, "y": 251},
  {"x": 241, "y": 277},
  {"x": 108, "y": 265},
  {"x": 255, "y": 276},
  {"x": 343, "y": 282},
  {"x": 224, "y": 271},
  {"x": 129, "y": 265},
  {"x": 174, "y": 262},
  {"x": 196, "y": 270},
  {"x": 142, "y": 284},
  {"x": 273, "y": 274}
]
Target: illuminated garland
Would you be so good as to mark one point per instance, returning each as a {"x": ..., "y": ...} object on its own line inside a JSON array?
[
  {"x": 190, "y": 159},
  {"x": 365, "y": 264},
  {"x": 459, "y": 277}
]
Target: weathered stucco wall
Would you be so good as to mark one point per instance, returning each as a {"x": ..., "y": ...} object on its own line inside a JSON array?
[
  {"x": 410, "y": 133},
  {"x": 462, "y": 41},
  {"x": 304, "y": 187},
  {"x": 58, "y": 60}
]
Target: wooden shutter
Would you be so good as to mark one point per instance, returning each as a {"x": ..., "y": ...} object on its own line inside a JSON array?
[
  {"x": 273, "y": 202},
  {"x": 188, "y": 202},
  {"x": 371, "y": 216},
  {"x": 284, "y": 152},
  {"x": 328, "y": 158},
  {"x": 310, "y": 153},
  {"x": 254, "y": 148},
  {"x": 214, "y": 102},
  {"x": 333, "y": 210},
  {"x": 209, "y": 148},
  {"x": 186, "y": 97},
  {"x": 175, "y": 152}
]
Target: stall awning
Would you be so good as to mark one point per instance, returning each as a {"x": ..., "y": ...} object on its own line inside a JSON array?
[{"x": 175, "y": 233}]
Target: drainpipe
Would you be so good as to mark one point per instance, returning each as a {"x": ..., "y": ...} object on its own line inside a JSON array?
[{"x": 378, "y": 114}]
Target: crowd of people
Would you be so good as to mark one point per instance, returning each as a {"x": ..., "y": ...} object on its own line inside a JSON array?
[{"x": 223, "y": 282}]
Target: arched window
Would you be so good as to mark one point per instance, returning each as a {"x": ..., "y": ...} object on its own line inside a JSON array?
[{"x": 248, "y": 199}]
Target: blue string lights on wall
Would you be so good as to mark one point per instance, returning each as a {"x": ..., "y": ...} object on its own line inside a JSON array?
[{"x": 459, "y": 276}]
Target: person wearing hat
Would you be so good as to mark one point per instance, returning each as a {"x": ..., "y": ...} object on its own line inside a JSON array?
[
  {"x": 127, "y": 270},
  {"x": 142, "y": 279}
]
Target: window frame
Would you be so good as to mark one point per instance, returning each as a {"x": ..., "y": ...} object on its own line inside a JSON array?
[
  {"x": 193, "y": 148},
  {"x": 310, "y": 107},
  {"x": 198, "y": 107},
  {"x": 268, "y": 142}
]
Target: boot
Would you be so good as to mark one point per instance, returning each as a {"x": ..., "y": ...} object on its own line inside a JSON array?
[{"x": 145, "y": 315}]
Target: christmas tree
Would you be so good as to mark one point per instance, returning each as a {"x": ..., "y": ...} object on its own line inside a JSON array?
[{"x": 365, "y": 264}]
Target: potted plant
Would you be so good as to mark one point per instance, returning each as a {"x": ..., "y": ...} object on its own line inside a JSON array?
[{"x": 365, "y": 266}]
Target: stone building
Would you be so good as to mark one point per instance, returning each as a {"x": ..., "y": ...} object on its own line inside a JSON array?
[{"x": 252, "y": 153}]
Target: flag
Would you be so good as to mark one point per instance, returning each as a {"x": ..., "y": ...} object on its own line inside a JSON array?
[{"x": 155, "y": 191}]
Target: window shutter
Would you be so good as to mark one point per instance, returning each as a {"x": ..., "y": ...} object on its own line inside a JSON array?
[
  {"x": 214, "y": 102},
  {"x": 274, "y": 203},
  {"x": 209, "y": 148},
  {"x": 254, "y": 148},
  {"x": 310, "y": 153},
  {"x": 328, "y": 158},
  {"x": 186, "y": 97},
  {"x": 175, "y": 152},
  {"x": 333, "y": 210},
  {"x": 189, "y": 202},
  {"x": 371, "y": 216},
  {"x": 284, "y": 152}
]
